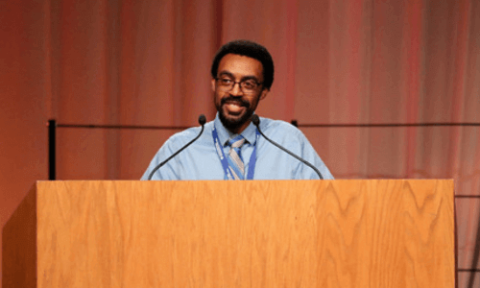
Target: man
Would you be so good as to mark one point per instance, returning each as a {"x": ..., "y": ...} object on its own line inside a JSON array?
[{"x": 231, "y": 147}]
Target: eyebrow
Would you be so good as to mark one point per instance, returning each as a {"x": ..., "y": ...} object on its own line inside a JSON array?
[{"x": 248, "y": 77}]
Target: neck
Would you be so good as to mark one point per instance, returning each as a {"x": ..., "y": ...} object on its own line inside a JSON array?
[
  {"x": 240, "y": 129},
  {"x": 235, "y": 128}
]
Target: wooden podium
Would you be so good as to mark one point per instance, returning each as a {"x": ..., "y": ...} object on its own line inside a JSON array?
[{"x": 342, "y": 233}]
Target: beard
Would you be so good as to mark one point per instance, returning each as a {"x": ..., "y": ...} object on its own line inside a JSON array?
[{"x": 234, "y": 123}]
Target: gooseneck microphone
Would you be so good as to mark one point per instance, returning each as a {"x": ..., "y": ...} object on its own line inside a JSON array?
[
  {"x": 201, "y": 121},
  {"x": 256, "y": 122}
]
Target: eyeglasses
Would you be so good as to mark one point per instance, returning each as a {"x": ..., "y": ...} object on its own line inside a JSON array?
[{"x": 246, "y": 85}]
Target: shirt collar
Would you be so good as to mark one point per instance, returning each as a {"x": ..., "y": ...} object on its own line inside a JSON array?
[{"x": 224, "y": 134}]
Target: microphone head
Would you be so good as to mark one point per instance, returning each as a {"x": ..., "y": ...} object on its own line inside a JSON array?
[
  {"x": 202, "y": 119},
  {"x": 255, "y": 119}
]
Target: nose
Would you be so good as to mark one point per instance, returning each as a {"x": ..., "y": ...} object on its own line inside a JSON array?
[{"x": 236, "y": 90}]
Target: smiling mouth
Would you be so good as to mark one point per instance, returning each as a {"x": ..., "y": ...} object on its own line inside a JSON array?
[
  {"x": 234, "y": 106},
  {"x": 235, "y": 101}
]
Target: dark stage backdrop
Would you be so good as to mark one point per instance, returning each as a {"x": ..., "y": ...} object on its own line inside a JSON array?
[{"x": 337, "y": 61}]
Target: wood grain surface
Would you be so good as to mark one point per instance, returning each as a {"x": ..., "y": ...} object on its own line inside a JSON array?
[{"x": 343, "y": 233}]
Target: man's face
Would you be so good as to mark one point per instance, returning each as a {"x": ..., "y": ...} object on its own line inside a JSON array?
[{"x": 235, "y": 106}]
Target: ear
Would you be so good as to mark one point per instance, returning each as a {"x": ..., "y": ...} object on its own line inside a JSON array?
[
  {"x": 264, "y": 93},
  {"x": 213, "y": 85}
]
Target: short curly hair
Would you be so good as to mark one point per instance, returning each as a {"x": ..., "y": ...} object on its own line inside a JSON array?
[{"x": 249, "y": 49}]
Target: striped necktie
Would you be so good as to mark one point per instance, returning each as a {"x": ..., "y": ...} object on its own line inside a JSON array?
[{"x": 235, "y": 161}]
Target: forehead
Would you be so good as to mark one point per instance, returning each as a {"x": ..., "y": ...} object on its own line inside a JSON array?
[{"x": 241, "y": 66}]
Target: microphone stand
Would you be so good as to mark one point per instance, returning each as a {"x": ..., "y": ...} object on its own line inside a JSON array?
[
  {"x": 256, "y": 122},
  {"x": 201, "y": 121}
]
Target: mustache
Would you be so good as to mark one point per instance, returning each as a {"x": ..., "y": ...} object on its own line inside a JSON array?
[{"x": 237, "y": 100}]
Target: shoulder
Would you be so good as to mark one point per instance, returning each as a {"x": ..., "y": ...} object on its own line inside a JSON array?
[
  {"x": 280, "y": 129},
  {"x": 183, "y": 137}
]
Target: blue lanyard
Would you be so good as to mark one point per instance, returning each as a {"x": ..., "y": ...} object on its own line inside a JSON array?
[{"x": 223, "y": 159}]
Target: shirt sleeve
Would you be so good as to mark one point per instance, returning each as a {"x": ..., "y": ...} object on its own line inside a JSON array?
[
  {"x": 310, "y": 155},
  {"x": 166, "y": 172}
]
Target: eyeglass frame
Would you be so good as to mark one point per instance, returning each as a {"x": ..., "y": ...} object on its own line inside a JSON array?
[{"x": 259, "y": 84}]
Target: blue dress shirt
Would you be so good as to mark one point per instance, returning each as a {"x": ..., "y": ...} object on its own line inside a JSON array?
[{"x": 200, "y": 160}]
